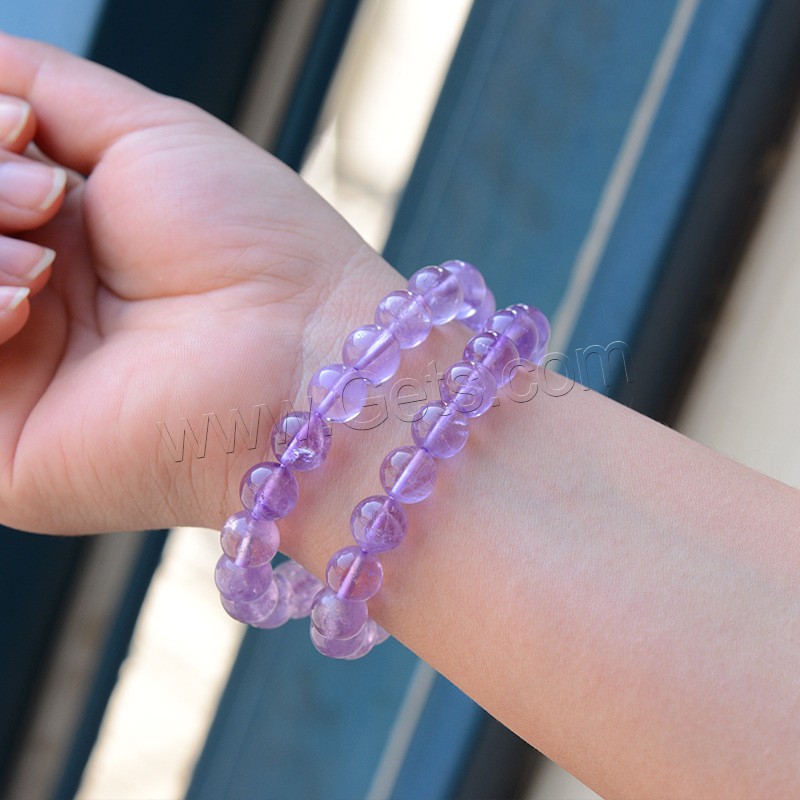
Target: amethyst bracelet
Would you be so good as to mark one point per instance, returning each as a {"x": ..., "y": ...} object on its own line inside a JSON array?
[
  {"x": 251, "y": 591},
  {"x": 340, "y": 623}
]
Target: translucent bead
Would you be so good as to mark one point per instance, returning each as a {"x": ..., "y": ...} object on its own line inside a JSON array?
[
  {"x": 374, "y": 351},
  {"x": 473, "y": 287},
  {"x": 469, "y": 387},
  {"x": 336, "y": 618},
  {"x": 377, "y": 635},
  {"x": 496, "y": 352},
  {"x": 378, "y": 523},
  {"x": 269, "y": 490},
  {"x": 366, "y": 646},
  {"x": 284, "y": 606},
  {"x": 486, "y": 309},
  {"x": 305, "y": 587},
  {"x": 354, "y": 574},
  {"x": 408, "y": 474},
  {"x": 440, "y": 429},
  {"x": 441, "y": 290},
  {"x": 241, "y": 584},
  {"x": 249, "y": 542},
  {"x": 337, "y": 392},
  {"x": 301, "y": 440},
  {"x": 255, "y": 610},
  {"x": 407, "y": 316},
  {"x": 543, "y": 327},
  {"x": 515, "y": 324},
  {"x": 336, "y": 648}
]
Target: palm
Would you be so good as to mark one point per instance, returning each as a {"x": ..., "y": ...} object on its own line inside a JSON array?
[{"x": 188, "y": 265}]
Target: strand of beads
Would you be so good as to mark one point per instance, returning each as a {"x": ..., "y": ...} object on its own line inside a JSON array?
[
  {"x": 340, "y": 623},
  {"x": 251, "y": 590}
]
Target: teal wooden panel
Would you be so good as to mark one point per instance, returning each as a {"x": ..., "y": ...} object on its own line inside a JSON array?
[
  {"x": 523, "y": 139},
  {"x": 293, "y": 724}
]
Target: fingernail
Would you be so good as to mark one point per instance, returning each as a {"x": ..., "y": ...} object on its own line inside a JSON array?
[
  {"x": 32, "y": 186},
  {"x": 42, "y": 264},
  {"x": 11, "y": 297},
  {"x": 14, "y": 116}
]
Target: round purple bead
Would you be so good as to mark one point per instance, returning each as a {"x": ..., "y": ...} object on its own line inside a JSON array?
[
  {"x": 337, "y": 618},
  {"x": 366, "y": 645},
  {"x": 473, "y": 287},
  {"x": 301, "y": 440},
  {"x": 284, "y": 606},
  {"x": 305, "y": 587},
  {"x": 241, "y": 584},
  {"x": 496, "y": 352},
  {"x": 336, "y": 648},
  {"x": 378, "y": 523},
  {"x": 269, "y": 490},
  {"x": 377, "y": 635},
  {"x": 408, "y": 474},
  {"x": 543, "y": 328},
  {"x": 337, "y": 392},
  {"x": 255, "y": 610},
  {"x": 515, "y": 324},
  {"x": 441, "y": 290},
  {"x": 440, "y": 429},
  {"x": 407, "y": 316},
  {"x": 469, "y": 387},
  {"x": 354, "y": 574},
  {"x": 374, "y": 351},
  {"x": 249, "y": 542},
  {"x": 486, "y": 309}
]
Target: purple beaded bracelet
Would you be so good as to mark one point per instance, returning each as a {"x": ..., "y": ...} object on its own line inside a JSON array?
[
  {"x": 251, "y": 591},
  {"x": 340, "y": 623}
]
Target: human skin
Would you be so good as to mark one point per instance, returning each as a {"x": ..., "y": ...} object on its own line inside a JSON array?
[{"x": 623, "y": 598}]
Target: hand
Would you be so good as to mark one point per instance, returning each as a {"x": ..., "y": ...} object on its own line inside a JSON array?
[{"x": 194, "y": 273}]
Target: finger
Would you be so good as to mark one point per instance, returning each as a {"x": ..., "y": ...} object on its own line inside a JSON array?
[
  {"x": 17, "y": 123},
  {"x": 14, "y": 310},
  {"x": 30, "y": 193},
  {"x": 24, "y": 264},
  {"x": 81, "y": 108}
]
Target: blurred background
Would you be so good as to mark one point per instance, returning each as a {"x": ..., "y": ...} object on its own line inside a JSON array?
[{"x": 631, "y": 166}]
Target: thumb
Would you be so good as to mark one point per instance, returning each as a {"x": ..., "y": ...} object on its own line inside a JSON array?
[{"x": 81, "y": 107}]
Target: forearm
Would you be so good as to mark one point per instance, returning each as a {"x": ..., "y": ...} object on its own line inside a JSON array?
[{"x": 623, "y": 598}]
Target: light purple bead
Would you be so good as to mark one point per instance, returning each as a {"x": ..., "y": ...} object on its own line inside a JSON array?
[
  {"x": 377, "y": 635},
  {"x": 496, "y": 352},
  {"x": 408, "y": 474},
  {"x": 473, "y": 287},
  {"x": 249, "y": 542},
  {"x": 241, "y": 584},
  {"x": 374, "y": 351},
  {"x": 366, "y": 646},
  {"x": 543, "y": 327},
  {"x": 441, "y": 290},
  {"x": 305, "y": 587},
  {"x": 378, "y": 523},
  {"x": 407, "y": 316},
  {"x": 269, "y": 490},
  {"x": 468, "y": 386},
  {"x": 337, "y": 618},
  {"x": 337, "y": 392},
  {"x": 486, "y": 310},
  {"x": 255, "y": 610},
  {"x": 354, "y": 574},
  {"x": 336, "y": 648},
  {"x": 301, "y": 440},
  {"x": 515, "y": 324},
  {"x": 284, "y": 606},
  {"x": 440, "y": 429}
]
